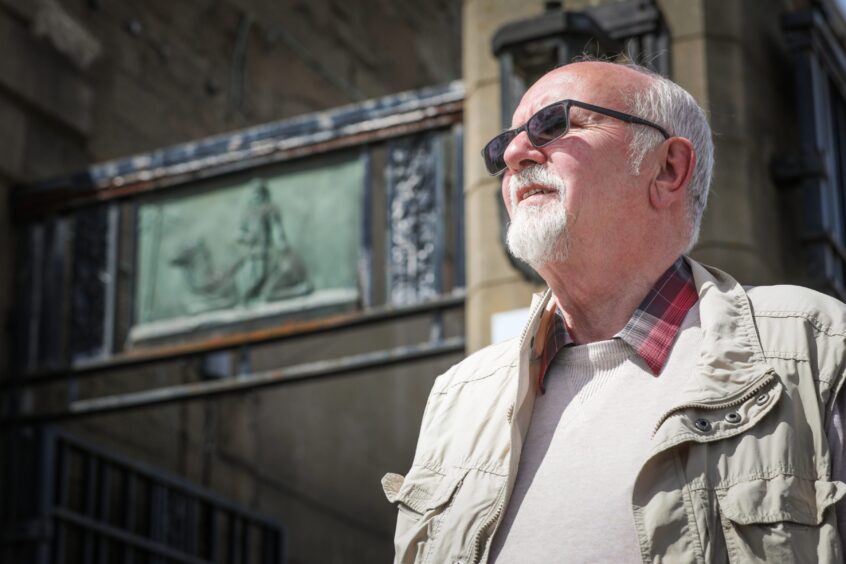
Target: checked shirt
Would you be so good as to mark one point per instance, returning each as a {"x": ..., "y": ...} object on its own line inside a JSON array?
[{"x": 650, "y": 331}]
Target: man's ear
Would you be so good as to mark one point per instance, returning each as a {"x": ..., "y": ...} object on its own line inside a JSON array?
[{"x": 676, "y": 160}]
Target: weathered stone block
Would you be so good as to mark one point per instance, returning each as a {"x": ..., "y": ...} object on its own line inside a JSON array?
[
  {"x": 724, "y": 18},
  {"x": 6, "y": 282},
  {"x": 481, "y": 122},
  {"x": 117, "y": 138},
  {"x": 726, "y": 87},
  {"x": 482, "y": 19},
  {"x": 66, "y": 34},
  {"x": 43, "y": 78},
  {"x": 685, "y": 18},
  {"x": 238, "y": 434},
  {"x": 13, "y": 121},
  {"x": 49, "y": 152},
  {"x": 298, "y": 90},
  {"x": 730, "y": 215},
  {"x": 365, "y": 423},
  {"x": 20, "y": 8},
  {"x": 690, "y": 68},
  {"x": 143, "y": 109}
]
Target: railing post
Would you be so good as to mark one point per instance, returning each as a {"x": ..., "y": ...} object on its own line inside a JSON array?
[
  {"x": 129, "y": 496},
  {"x": 47, "y": 463}
]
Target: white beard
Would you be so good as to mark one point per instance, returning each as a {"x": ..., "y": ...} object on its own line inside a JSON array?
[{"x": 538, "y": 235}]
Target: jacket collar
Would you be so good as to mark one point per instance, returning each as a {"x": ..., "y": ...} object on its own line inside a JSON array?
[
  {"x": 732, "y": 374},
  {"x": 731, "y": 355}
]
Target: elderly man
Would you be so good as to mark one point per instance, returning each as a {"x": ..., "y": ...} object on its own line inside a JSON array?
[{"x": 654, "y": 410}]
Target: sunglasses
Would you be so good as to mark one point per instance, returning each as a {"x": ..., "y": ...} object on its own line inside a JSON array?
[{"x": 547, "y": 125}]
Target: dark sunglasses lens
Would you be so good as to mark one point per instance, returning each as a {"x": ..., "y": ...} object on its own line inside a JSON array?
[
  {"x": 494, "y": 152},
  {"x": 548, "y": 124}
]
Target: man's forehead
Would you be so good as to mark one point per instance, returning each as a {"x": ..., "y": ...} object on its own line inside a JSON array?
[
  {"x": 603, "y": 84},
  {"x": 545, "y": 91}
]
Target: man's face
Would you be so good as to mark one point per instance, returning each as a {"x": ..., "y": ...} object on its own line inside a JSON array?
[{"x": 574, "y": 199}]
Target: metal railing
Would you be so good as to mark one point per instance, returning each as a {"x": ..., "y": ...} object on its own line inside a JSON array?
[{"x": 95, "y": 507}]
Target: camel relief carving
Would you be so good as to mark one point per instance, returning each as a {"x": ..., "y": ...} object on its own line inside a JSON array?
[{"x": 266, "y": 268}]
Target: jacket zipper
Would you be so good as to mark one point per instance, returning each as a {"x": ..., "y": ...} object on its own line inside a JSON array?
[
  {"x": 477, "y": 542},
  {"x": 541, "y": 303},
  {"x": 755, "y": 390},
  {"x": 492, "y": 520}
]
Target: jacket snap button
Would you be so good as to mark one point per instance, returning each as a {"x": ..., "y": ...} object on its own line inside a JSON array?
[
  {"x": 762, "y": 399},
  {"x": 703, "y": 425},
  {"x": 733, "y": 417}
]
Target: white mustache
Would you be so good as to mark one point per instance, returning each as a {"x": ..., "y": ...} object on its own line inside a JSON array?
[{"x": 535, "y": 175}]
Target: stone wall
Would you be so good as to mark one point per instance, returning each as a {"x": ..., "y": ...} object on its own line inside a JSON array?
[
  {"x": 89, "y": 80},
  {"x": 121, "y": 78}
]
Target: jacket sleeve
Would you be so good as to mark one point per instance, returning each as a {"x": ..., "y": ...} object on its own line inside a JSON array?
[
  {"x": 409, "y": 531},
  {"x": 836, "y": 443}
]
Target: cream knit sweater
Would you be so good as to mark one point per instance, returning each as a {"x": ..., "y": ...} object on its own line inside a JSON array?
[{"x": 590, "y": 434}]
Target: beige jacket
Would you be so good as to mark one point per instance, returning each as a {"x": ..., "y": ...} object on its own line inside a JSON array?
[{"x": 739, "y": 470}]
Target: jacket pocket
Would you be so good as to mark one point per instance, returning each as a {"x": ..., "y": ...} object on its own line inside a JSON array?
[
  {"x": 423, "y": 498},
  {"x": 781, "y": 519}
]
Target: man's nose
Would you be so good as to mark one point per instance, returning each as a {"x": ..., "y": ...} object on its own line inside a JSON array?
[{"x": 520, "y": 153}]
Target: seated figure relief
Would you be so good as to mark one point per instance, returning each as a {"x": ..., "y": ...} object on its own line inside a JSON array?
[{"x": 265, "y": 267}]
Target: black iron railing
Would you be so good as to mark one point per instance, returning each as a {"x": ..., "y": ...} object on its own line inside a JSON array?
[{"x": 94, "y": 507}]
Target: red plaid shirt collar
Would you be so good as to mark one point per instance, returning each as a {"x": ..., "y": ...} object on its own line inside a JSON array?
[{"x": 650, "y": 331}]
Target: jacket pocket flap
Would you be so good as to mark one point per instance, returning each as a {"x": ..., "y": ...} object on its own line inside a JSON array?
[
  {"x": 422, "y": 489},
  {"x": 391, "y": 484},
  {"x": 782, "y": 498}
]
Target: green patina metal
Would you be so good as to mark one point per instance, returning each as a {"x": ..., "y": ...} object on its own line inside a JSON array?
[{"x": 254, "y": 245}]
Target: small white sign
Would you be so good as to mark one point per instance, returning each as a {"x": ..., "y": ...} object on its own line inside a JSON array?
[{"x": 508, "y": 324}]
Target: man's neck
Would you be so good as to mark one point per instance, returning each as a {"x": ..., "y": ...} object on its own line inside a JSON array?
[{"x": 597, "y": 300}]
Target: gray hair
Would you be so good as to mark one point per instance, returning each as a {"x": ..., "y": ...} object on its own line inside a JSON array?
[{"x": 671, "y": 106}]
